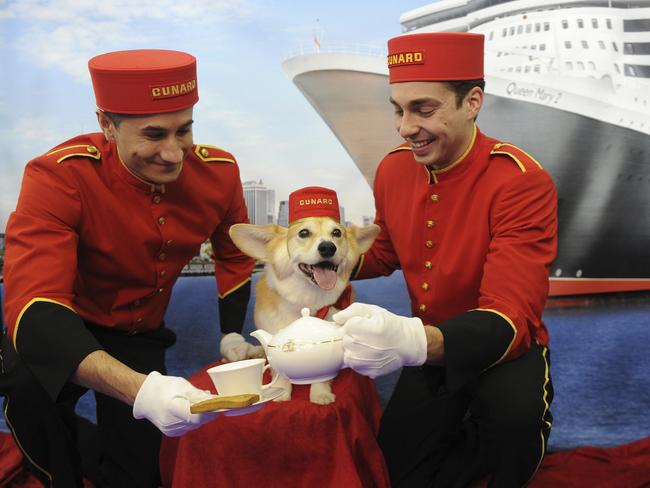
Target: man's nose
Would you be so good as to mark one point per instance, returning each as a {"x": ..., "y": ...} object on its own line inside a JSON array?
[
  {"x": 407, "y": 126},
  {"x": 172, "y": 150}
]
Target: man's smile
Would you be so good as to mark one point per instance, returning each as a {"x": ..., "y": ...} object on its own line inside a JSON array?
[{"x": 421, "y": 147}]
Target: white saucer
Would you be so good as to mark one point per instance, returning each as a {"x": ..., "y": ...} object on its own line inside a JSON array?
[{"x": 267, "y": 395}]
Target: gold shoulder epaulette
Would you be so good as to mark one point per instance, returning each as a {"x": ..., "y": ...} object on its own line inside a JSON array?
[
  {"x": 212, "y": 154},
  {"x": 524, "y": 160},
  {"x": 75, "y": 151},
  {"x": 400, "y": 148}
]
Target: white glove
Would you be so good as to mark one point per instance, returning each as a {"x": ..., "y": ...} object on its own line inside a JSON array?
[
  {"x": 235, "y": 348},
  {"x": 377, "y": 342},
  {"x": 165, "y": 402}
]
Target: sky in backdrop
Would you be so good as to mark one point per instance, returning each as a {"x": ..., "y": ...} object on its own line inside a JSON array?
[{"x": 247, "y": 104}]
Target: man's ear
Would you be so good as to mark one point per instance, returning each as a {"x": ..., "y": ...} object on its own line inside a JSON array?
[
  {"x": 106, "y": 125},
  {"x": 253, "y": 239},
  {"x": 474, "y": 99}
]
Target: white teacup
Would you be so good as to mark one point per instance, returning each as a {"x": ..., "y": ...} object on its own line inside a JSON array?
[{"x": 240, "y": 377}]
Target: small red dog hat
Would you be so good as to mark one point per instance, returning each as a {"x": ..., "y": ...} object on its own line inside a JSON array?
[
  {"x": 144, "y": 81},
  {"x": 435, "y": 56},
  {"x": 313, "y": 201}
]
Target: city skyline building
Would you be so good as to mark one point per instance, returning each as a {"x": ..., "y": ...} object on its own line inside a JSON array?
[
  {"x": 259, "y": 202},
  {"x": 270, "y": 206},
  {"x": 283, "y": 213}
]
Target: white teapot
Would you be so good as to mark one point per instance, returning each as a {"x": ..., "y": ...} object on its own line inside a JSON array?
[{"x": 309, "y": 350}]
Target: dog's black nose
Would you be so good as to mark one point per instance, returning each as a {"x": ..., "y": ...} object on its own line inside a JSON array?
[{"x": 326, "y": 249}]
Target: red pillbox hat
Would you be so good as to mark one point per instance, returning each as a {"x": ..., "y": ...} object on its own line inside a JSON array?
[
  {"x": 313, "y": 201},
  {"x": 144, "y": 81},
  {"x": 435, "y": 56}
]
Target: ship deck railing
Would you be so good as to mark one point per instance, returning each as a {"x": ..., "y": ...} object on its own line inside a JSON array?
[{"x": 339, "y": 48}]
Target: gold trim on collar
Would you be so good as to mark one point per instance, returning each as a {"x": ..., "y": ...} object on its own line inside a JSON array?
[
  {"x": 462, "y": 156},
  {"x": 431, "y": 174},
  {"x": 153, "y": 187}
]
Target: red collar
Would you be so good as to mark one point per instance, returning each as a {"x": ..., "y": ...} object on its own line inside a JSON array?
[{"x": 342, "y": 302}]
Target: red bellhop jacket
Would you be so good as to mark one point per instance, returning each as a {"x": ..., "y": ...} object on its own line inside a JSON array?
[
  {"x": 475, "y": 241},
  {"x": 91, "y": 241}
]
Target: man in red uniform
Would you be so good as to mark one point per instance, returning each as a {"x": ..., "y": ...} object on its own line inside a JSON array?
[
  {"x": 103, "y": 226},
  {"x": 471, "y": 221}
]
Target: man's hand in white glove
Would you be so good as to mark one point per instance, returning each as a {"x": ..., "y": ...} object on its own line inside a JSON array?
[
  {"x": 165, "y": 402},
  {"x": 234, "y": 347},
  {"x": 377, "y": 342}
]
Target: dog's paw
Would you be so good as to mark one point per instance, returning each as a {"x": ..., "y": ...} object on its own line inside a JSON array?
[
  {"x": 256, "y": 352},
  {"x": 321, "y": 393},
  {"x": 234, "y": 347},
  {"x": 285, "y": 397},
  {"x": 284, "y": 383}
]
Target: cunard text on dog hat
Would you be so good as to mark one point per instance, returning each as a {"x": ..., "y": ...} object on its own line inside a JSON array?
[{"x": 313, "y": 201}]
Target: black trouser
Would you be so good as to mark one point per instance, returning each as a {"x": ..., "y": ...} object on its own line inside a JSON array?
[
  {"x": 126, "y": 450},
  {"x": 496, "y": 427}
]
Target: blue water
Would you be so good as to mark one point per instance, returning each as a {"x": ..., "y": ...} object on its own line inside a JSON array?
[{"x": 599, "y": 358}]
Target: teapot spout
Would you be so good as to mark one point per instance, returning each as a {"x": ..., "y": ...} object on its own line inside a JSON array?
[{"x": 263, "y": 337}]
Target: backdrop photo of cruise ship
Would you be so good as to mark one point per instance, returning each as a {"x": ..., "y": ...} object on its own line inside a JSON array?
[{"x": 568, "y": 82}]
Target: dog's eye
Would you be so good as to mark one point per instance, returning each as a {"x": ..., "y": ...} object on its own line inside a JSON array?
[
  {"x": 336, "y": 233},
  {"x": 304, "y": 233}
]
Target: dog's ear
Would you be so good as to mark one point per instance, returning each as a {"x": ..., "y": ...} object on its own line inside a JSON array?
[
  {"x": 365, "y": 235},
  {"x": 252, "y": 239}
]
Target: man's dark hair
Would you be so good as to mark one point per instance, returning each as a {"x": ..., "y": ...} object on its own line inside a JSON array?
[
  {"x": 462, "y": 88},
  {"x": 118, "y": 118}
]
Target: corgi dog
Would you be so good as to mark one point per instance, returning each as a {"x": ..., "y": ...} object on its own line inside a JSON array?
[{"x": 308, "y": 265}]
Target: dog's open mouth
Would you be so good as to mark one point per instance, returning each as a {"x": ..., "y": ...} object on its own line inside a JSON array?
[{"x": 323, "y": 274}]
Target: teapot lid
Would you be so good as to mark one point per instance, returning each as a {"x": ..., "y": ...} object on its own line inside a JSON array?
[
  {"x": 305, "y": 312},
  {"x": 308, "y": 329}
]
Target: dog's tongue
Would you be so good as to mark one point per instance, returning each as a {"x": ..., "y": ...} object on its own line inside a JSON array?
[{"x": 325, "y": 278}]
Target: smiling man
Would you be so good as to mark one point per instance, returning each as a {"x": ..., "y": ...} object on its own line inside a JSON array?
[
  {"x": 103, "y": 226},
  {"x": 472, "y": 223},
  {"x": 145, "y": 146}
]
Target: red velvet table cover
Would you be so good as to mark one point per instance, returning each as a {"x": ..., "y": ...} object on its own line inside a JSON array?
[{"x": 285, "y": 444}]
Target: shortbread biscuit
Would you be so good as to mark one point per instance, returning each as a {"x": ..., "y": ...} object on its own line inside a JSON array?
[{"x": 220, "y": 402}]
